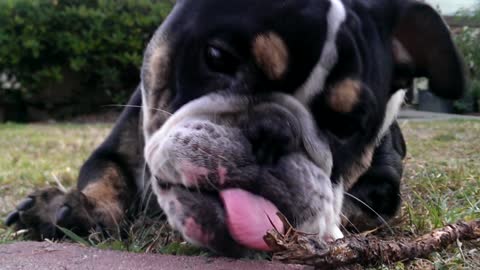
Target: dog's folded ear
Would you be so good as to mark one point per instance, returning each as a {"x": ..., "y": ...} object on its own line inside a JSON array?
[{"x": 423, "y": 47}]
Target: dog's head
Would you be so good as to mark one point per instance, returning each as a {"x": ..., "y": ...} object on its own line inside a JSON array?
[{"x": 256, "y": 107}]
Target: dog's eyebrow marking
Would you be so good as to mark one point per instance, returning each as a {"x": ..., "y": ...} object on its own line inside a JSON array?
[
  {"x": 316, "y": 81},
  {"x": 271, "y": 54},
  {"x": 155, "y": 72},
  {"x": 345, "y": 95},
  {"x": 158, "y": 67},
  {"x": 155, "y": 79},
  {"x": 154, "y": 85}
]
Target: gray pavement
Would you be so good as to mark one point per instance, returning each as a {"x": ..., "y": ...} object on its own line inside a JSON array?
[
  {"x": 50, "y": 256},
  {"x": 414, "y": 115}
]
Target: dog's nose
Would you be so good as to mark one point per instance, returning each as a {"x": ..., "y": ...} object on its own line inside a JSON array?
[{"x": 272, "y": 131}]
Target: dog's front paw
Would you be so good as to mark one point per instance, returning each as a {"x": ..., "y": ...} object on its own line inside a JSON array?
[{"x": 44, "y": 212}]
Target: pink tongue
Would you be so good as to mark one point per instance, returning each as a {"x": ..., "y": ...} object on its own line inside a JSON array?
[{"x": 248, "y": 217}]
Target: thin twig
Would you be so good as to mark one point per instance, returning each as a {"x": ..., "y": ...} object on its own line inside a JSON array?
[{"x": 299, "y": 248}]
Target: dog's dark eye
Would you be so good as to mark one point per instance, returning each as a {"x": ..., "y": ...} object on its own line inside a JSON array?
[{"x": 220, "y": 60}]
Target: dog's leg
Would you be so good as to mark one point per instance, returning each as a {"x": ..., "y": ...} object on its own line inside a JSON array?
[
  {"x": 106, "y": 186},
  {"x": 375, "y": 197}
]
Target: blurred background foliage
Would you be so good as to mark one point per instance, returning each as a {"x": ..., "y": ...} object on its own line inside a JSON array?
[
  {"x": 60, "y": 58},
  {"x": 468, "y": 41},
  {"x": 467, "y": 38}
]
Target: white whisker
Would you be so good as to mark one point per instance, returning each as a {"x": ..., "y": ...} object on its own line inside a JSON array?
[
  {"x": 371, "y": 209},
  {"x": 136, "y": 106},
  {"x": 216, "y": 156},
  {"x": 349, "y": 222},
  {"x": 211, "y": 183}
]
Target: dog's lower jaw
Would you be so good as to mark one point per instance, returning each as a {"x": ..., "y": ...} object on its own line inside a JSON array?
[{"x": 167, "y": 201}]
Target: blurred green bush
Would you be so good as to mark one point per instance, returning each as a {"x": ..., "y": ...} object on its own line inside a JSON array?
[
  {"x": 95, "y": 44},
  {"x": 467, "y": 39}
]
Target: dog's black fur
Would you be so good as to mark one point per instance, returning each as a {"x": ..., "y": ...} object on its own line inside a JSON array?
[{"x": 381, "y": 46}]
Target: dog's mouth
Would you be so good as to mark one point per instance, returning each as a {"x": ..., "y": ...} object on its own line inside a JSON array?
[
  {"x": 168, "y": 186},
  {"x": 248, "y": 217},
  {"x": 209, "y": 167}
]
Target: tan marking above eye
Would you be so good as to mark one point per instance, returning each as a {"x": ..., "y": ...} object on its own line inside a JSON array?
[
  {"x": 345, "y": 95},
  {"x": 271, "y": 54},
  {"x": 157, "y": 67},
  {"x": 156, "y": 78}
]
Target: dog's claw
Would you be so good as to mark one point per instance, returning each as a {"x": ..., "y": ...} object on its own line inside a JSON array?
[
  {"x": 44, "y": 210},
  {"x": 12, "y": 218},
  {"x": 26, "y": 204},
  {"x": 62, "y": 213}
]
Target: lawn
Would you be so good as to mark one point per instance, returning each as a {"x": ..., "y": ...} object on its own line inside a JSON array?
[{"x": 441, "y": 183}]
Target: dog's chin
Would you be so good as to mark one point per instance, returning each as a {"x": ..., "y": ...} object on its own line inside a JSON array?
[{"x": 215, "y": 192}]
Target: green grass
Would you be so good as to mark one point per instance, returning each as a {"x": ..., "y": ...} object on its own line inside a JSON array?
[
  {"x": 35, "y": 156},
  {"x": 441, "y": 183}
]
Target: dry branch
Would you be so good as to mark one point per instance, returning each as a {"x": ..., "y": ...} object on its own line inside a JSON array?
[{"x": 300, "y": 248}]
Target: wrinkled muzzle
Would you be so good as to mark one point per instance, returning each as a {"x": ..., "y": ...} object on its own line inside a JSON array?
[{"x": 214, "y": 189}]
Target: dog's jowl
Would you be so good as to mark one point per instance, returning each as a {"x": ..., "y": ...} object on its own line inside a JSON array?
[{"x": 252, "y": 108}]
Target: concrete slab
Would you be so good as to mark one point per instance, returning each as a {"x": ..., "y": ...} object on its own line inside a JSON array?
[
  {"x": 43, "y": 256},
  {"x": 429, "y": 116}
]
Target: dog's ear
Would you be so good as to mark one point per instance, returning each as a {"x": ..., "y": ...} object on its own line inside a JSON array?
[{"x": 423, "y": 47}]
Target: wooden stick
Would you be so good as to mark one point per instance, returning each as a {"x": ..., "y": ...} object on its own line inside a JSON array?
[{"x": 300, "y": 248}]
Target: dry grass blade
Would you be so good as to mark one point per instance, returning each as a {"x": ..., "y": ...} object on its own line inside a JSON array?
[{"x": 299, "y": 248}]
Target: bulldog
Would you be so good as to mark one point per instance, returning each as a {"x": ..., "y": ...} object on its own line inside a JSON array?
[{"x": 249, "y": 108}]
